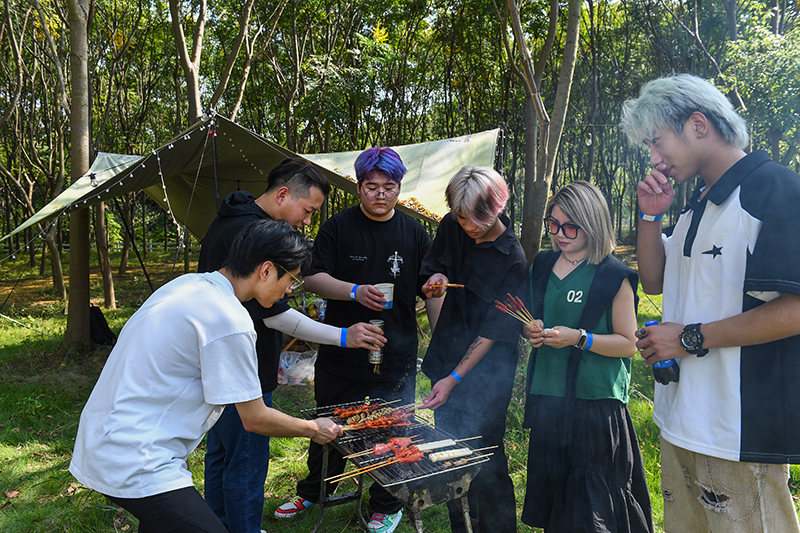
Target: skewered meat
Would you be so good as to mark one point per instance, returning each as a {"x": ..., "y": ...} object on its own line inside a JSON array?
[
  {"x": 382, "y": 448},
  {"x": 408, "y": 454},
  {"x": 347, "y": 412},
  {"x": 398, "y": 417},
  {"x": 400, "y": 441},
  {"x": 367, "y": 415}
]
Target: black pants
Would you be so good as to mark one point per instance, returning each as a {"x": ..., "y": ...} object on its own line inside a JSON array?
[
  {"x": 332, "y": 390},
  {"x": 176, "y": 511},
  {"x": 492, "y": 508}
]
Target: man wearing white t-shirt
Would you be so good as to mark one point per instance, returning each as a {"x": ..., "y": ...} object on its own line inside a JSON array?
[{"x": 185, "y": 354}]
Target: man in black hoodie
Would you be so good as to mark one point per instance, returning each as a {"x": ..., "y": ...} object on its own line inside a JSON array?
[{"x": 236, "y": 461}]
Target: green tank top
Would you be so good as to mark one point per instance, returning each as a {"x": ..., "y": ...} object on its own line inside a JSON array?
[{"x": 598, "y": 377}]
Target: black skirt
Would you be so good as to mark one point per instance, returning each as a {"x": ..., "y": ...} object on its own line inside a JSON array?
[{"x": 585, "y": 470}]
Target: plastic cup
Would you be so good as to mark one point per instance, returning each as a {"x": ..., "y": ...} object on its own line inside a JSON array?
[{"x": 388, "y": 293}]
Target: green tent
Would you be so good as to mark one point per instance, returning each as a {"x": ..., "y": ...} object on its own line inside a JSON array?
[{"x": 180, "y": 175}]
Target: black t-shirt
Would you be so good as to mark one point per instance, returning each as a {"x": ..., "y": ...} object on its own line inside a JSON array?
[
  {"x": 237, "y": 211},
  {"x": 352, "y": 247},
  {"x": 489, "y": 271}
]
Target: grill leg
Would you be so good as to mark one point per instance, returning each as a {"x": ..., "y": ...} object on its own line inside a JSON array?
[
  {"x": 416, "y": 518},
  {"x": 465, "y": 511},
  {"x": 329, "y": 501},
  {"x": 360, "y": 491}
]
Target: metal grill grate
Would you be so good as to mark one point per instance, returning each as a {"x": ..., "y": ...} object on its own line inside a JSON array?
[{"x": 354, "y": 441}]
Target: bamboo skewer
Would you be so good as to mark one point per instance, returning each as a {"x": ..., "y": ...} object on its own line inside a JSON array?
[
  {"x": 370, "y": 468},
  {"x": 455, "y": 285},
  {"x": 411, "y": 406},
  {"x": 362, "y": 470}
]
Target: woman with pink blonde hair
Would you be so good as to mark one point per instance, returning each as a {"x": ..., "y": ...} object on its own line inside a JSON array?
[{"x": 472, "y": 356}]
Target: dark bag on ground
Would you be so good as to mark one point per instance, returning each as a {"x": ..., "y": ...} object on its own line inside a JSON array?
[{"x": 98, "y": 327}]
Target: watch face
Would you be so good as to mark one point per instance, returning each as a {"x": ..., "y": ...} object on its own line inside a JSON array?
[{"x": 691, "y": 339}]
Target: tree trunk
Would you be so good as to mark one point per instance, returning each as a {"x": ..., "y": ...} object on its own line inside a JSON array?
[
  {"x": 77, "y": 336},
  {"x": 101, "y": 243},
  {"x": 531, "y": 237},
  {"x": 50, "y": 239},
  {"x": 55, "y": 263},
  {"x": 539, "y": 176},
  {"x": 127, "y": 225}
]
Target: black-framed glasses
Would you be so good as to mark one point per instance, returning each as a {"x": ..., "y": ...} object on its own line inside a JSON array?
[
  {"x": 372, "y": 194},
  {"x": 552, "y": 227},
  {"x": 296, "y": 283}
]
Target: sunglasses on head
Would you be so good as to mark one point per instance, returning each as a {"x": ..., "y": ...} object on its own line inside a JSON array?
[{"x": 552, "y": 227}]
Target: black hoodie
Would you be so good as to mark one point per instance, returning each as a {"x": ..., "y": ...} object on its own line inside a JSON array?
[{"x": 239, "y": 209}]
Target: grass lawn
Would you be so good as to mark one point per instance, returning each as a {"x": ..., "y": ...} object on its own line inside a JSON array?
[{"x": 42, "y": 393}]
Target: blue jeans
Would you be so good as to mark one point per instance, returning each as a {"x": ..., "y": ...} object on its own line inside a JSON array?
[{"x": 236, "y": 470}]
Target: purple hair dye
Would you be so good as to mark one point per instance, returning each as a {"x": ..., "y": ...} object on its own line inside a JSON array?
[{"x": 379, "y": 158}]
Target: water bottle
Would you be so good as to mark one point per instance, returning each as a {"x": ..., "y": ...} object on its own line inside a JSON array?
[{"x": 665, "y": 371}]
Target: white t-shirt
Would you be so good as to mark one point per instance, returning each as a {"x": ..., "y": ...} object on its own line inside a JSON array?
[{"x": 183, "y": 356}]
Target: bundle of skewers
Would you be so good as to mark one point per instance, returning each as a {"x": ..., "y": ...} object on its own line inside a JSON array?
[
  {"x": 407, "y": 451},
  {"x": 515, "y": 307}
]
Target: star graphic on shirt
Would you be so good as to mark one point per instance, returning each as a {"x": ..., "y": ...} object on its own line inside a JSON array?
[{"x": 714, "y": 251}]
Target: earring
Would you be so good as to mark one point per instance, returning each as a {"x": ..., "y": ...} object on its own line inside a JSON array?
[{"x": 701, "y": 133}]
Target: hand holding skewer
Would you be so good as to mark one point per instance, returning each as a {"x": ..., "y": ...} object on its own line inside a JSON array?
[
  {"x": 325, "y": 430},
  {"x": 435, "y": 286},
  {"x": 535, "y": 333}
]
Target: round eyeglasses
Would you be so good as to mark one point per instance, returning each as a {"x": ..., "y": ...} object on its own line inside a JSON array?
[
  {"x": 552, "y": 227},
  {"x": 372, "y": 194},
  {"x": 296, "y": 283}
]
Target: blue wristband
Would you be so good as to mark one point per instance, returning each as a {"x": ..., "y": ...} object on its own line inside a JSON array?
[
  {"x": 456, "y": 376},
  {"x": 650, "y": 218},
  {"x": 353, "y": 292},
  {"x": 343, "y": 339},
  {"x": 589, "y": 341}
]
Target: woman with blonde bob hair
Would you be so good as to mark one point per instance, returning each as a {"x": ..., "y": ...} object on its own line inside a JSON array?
[
  {"x": 585, "y": 470},
  {"x": 472, "y": 357},
  {"x": 585, "y": 206}
]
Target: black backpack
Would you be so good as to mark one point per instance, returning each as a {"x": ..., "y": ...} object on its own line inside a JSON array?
[{"x": 98, "y": 327}]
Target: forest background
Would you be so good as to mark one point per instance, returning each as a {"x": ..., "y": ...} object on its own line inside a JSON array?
[{"x": 125, "y": 76}]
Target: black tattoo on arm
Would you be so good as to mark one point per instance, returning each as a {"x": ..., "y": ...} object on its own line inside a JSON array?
[{"x": 471, "y": 349}]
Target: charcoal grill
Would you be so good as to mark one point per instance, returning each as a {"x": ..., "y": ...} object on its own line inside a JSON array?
[{"x": 417, "y": 485}]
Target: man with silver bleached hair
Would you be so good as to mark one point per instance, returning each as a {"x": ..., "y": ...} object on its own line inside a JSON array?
[
  {"x": 730, "y": 275},
  {"x": 666, "y": 103}
]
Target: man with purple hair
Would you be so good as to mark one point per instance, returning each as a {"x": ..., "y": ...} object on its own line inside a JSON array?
[{"x": 356, "y": 249}]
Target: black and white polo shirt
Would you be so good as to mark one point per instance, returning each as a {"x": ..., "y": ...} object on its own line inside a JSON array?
[{"x": 735, "y": 249}]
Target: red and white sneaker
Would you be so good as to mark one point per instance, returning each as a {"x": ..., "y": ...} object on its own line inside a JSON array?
[{"x": 293, "y": 507}]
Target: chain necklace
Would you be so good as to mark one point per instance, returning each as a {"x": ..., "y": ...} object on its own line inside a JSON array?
[{"x": 576, "y": 262}]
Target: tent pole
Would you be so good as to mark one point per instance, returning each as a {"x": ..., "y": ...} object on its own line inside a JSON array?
[
  {"x": 133, "y": 243},
  {"x": 213, "y": 133}
]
